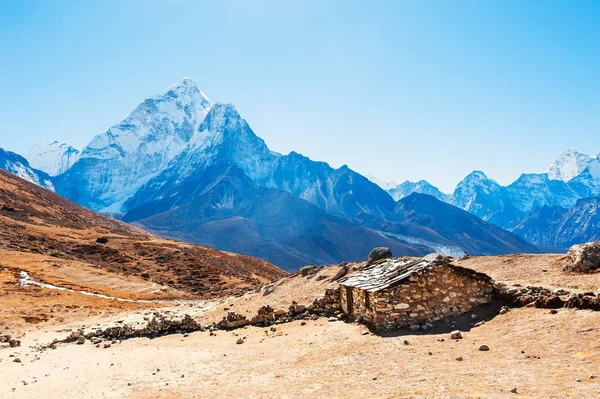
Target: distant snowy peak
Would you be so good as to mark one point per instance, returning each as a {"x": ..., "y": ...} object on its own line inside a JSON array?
[
  {"x": 569, "y": 164},
  {"x": 53, "y": 158},
  {"x": 17, "y": 165},
  {"x": 386, "y": 185},
  {"x": 421, "y": 187}
]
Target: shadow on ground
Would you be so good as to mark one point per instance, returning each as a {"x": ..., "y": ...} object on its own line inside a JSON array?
[{"x": 464, "y": 322}]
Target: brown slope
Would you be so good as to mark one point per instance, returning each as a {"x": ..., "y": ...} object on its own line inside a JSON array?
[{"x": 37, "y": 221}]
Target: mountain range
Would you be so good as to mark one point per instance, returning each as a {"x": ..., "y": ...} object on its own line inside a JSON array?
[
  {"x": 571, "y": 181},
  {"x": 192, "y": 170}
]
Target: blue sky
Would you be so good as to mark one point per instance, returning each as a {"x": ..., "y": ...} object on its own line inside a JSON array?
[{"x": 400, "y": 89}]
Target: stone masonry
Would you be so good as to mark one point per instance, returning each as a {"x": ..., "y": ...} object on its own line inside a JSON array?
[{"x": 419, "y": 293}]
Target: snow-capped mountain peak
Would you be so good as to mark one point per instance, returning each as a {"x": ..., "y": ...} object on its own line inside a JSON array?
[
  {"x": 136, "y": 149},
  {"x": 569, "y": 164},
  {"x": 18, "y": 165},
  {"x": 386, "y": 185},
  {"x": 53, "y": 158}
]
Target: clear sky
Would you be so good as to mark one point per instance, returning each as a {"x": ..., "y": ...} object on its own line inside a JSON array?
[{"x": 399, "y": 89}]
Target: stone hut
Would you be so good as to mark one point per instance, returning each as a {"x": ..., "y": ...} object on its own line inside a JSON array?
[{"x": 394, "y": 293}]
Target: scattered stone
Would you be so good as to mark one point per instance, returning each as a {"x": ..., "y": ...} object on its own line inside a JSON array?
[
  {"x": 303, "y": 323},
  {"x": 75, "y": 334},
  {"x": 16, "y": 360},
  {"x": 240, "y": 341},
  {"x": 306, "y": 270},
  {"x": 269, "y": 289},
  {"x": 81, "y": 340},
  {"x": 374, "y": 378},
  {"x": 578, "y": 380},
  {"x": 484, "y": 348},
  {"x": 456, "y": 334},
  {"x": 380, "y": 253},
  {"x": 553, "y": 311},
  {"x": 583, "y": 258},
  {"x": 459, "y": 358},
  {"x": 341, "y": 273},
  {"x": 332, "y": 319},
  {"x": 504, "y": 310},
  {"x": 406, "y": 342},
  {"x": 365, "y": 332},
  {"x": 514, "y": 390}
]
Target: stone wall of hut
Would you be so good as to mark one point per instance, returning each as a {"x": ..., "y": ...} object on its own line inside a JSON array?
[
  {"x": 424, "y": 297},
  {"x": 362, "y": 309}
]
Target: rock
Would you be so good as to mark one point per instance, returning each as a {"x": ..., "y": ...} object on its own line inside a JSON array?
[
  {"x": 305, "y": 271},
  {"x": 484, "y": 348},
  {"x": 514, "y": 390},
  {"x": 553, "y": 311},
  {"x": 81, "y": 340},
  {"x": 380, "y": 253},
  {"x": 375, "y": 378},
  {"x": 240, "y": 341},
  {"x": 16, "y": 360},
  {"x": 341, "y": 273},
  {"x": 365, "y": 332},
  {"x": 549, "y": 302},
  {"x": 456, "y": 334},
  {"x": 561, "y": 291},
  {"x": 75, "y": 334},
  {"x": 459, "y": 358},
  {"x": 14, "y": 343},
  {"x": 96, "y": 340},
  {"x": 584, "y": 257},
  {"x": 436, "y": 259},
  {"x": 504, "y": 310},
  {"x": 406, "y": 342},
  {"x": 332, "y": 319},
  {"x": 269, "y": 289}
]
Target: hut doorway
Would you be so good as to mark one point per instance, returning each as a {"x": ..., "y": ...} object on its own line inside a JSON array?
[{"x": 350, "y": 300}]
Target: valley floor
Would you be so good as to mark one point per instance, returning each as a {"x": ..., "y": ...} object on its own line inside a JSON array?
[{"x": 542, "y": 355}]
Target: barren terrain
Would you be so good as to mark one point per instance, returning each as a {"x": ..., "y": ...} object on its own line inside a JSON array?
[{"x": 541, "y": 354}]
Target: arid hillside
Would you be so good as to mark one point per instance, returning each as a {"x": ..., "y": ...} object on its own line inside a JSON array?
[{"x": 60, "y": 243}]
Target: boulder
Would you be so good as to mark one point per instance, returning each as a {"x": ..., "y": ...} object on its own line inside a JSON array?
[
  {"x": 380, "y": 253},
  {"x": 341, "y": 273},
  {"x": 305, "y": 271},
  {"x": 584, "y": 257}
]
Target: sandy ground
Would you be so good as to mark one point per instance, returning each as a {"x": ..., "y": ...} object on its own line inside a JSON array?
[
  {"x": 543, "y": 355},
  {"x": 537, "y": 270},
  {"x": 540, "y": 354}
]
